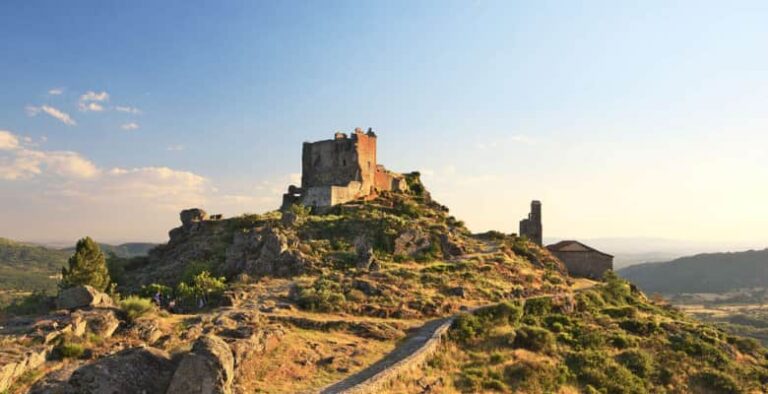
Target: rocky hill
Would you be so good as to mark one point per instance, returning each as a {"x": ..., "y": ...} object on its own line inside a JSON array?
[
  {"x": 703, "y": 273},
  {"x": 387, "y": 295}
]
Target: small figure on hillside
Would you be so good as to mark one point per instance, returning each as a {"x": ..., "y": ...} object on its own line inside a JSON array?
[
  {"x": 172, "y": 305},
  {"x": 158, "y": 299}
]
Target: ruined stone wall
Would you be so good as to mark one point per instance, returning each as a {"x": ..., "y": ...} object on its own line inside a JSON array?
[
  {"x": 585, "y": 264},
  {"x": 366, "y": 160},
  {"x": 532, "y": 227}
]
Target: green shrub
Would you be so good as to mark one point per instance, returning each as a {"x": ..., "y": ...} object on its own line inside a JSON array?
[
  {"x": 539, "y": 306},
  {"x": 747, "y": 345},
  {"x": 534, "y": 339},
  {"x": 533, "y": 377},
  {"x": 67, "y": 349},
  {"x": 504, "y": 312},
  {"x": 639, "y": 327},
  {"x": 135, "y": 307},
  {"x": 623, "y": 311},
  {"x": 150, "y": 290},
  {"x": 621, "y": 341},
  {"x": 715, "y": 382},
  {"x": 466, "y": 327},
  {"x": 698, "y": 348},
  {"x": 594, "y": 368},
  {"x": 637, "y": 361},
  {"x": 325, "y": 295}
]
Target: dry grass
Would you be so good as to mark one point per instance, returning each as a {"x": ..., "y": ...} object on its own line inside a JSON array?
[{"x": 304, "y": 360}]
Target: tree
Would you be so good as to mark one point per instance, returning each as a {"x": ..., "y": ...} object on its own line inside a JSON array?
[{"x": 86, "y": 267}]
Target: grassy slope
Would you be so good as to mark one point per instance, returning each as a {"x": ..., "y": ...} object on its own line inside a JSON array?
[{"x": 615, "y": 341}]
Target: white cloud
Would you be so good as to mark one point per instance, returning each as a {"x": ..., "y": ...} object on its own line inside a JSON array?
[
  {"x": 129, "y": 126},
  {"x": 53, "y": 112},
  {"x": 31, "y": 110},
  {"x": 8, "y": 141},
  {"x": 47, "y": 188},
  {"x": 130, "y": 110},
  {"x": 175, "y": 148},
  {"x": 69, "y": 165},
  {"x": 93, "y": 96},
  {"x": 90, "y": 101},
  {"x": 93, "y": 107},
  {"x": 56, "y": 91}
]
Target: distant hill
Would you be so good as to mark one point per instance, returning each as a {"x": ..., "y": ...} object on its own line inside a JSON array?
[
  {"x": 29, "y": 267},
  {"x": 131, "y": 249},
  {"x": 703, "y": 273}
]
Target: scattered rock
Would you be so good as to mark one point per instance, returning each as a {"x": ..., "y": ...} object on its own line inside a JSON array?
[
  {"x": 101, "y": 322},
  {"x": 450, "y": 247},
  {"x": 207, "y": 369},
  {"x": 16, "y": 360},
  {"x": 412, "y": 242},
  {"x": 146, "y": 329},
  {"x": 82, "y": 297}
]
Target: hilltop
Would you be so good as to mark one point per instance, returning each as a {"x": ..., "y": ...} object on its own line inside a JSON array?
[{"x": 299, "y": 299}]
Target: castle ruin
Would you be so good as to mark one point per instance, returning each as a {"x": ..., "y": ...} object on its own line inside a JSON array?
[
  {"x": 342, "y": 169},
  {"x": 531, "y": 227}
]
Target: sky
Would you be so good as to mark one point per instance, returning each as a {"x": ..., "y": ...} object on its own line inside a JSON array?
[{"x": 626, "y": 119}]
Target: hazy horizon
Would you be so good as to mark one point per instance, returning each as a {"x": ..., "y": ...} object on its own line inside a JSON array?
[{"x": 627, "y": 121}]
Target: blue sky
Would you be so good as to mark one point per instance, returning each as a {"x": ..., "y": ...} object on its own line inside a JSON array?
[{"x": 626, "y": 118}]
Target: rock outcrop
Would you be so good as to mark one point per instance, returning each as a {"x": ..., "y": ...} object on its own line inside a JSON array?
[
  {"x": 207, "y": 369},
  {"x": 136, "y": 370},
  {"x": 82, "y": 297},
  {"x": 265, "y": 251}
]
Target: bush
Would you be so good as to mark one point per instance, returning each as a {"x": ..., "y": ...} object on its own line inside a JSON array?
[
  {"x": 325, "y": 295},
  {"x": 135, "y": 307},
  {"x": 202, "y": 286},
  {"x": 639, "y": 327},
  {"x": 696, "y": 347},
  {"x": 533, "y": 377},
  {"x": 746, "y": 345},
  {"x": 150, "y": 290},
  {"x": 621, "y": 341},
  {"x": 637, "y": 361},
  {"x": 534, "y": 339},
  {"x": 594, "y": 368},
  {"x": 539, "y": 306},
  {"x": 715, "y": 382},
  {"x": 69, "y": 350},
  {"x": 504, "y": 312},
  {"x": 466, "y": 327},
  {"x": 618, "y": 312}
]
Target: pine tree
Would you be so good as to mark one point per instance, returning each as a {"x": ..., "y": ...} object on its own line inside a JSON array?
[{"x": 86, "y": 267}]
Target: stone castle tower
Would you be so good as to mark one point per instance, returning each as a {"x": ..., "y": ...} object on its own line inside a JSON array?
[
  {"x": 341, "y": 169},
  {"x": 531, "y": 227}
]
